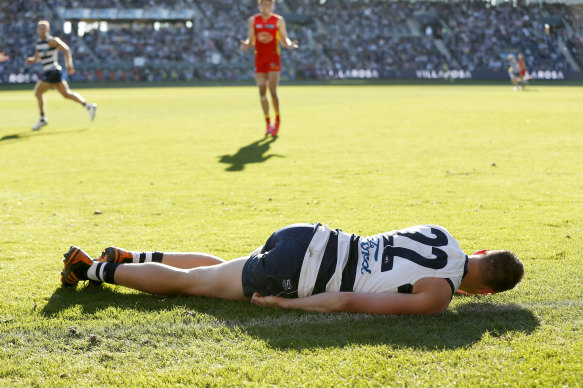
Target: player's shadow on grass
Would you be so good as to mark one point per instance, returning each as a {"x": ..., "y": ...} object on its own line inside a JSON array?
[
  {"x": 21, "y": 136},
  {"x": 252, "y": 153},
  {"x": 461, "y": 326}
]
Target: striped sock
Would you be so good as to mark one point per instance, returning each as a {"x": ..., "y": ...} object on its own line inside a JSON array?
[
  {"x": 102, "y": 272},
  {"x": 147, "y": 257}
]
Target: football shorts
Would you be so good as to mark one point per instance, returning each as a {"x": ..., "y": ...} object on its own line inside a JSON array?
[
  {"x": 267, "y": 64},
  {"x": 276, "y": 270},
  {"x": 52, "y": 76}
]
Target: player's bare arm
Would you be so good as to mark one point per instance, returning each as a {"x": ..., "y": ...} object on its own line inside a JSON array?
[
  {"x": 64, "y": 48},
  {"x": 250, "y": 41},
  {"x": 34, "y": 59},
  {"x": 430, "y": 296},
  {"x": 285, "y": 40}
]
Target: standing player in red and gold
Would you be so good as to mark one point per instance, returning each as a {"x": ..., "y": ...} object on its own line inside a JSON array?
[{"x": 266, "y": 30}]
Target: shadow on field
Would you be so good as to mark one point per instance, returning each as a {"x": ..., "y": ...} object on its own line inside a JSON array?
[
  {"x": 252, "y": 153},
  {"x": 461, "y": 326},
  {"x": 21, "y": 136}
]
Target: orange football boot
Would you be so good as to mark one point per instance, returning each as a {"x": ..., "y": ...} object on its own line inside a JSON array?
[
  {"x": 116, "y": 255},
  {"x": 77, "y": 263}
]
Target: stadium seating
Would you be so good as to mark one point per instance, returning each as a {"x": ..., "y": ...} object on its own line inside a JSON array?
[{"x": 337, "y": 38}]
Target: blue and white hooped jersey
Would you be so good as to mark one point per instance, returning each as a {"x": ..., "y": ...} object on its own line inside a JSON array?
[
  {"x": 394, "y": 261},
  {"x": 48, "y": 55}
]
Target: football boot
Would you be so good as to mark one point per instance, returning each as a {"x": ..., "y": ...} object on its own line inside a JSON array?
[
  {"x": 116, "y": 255},
  {"x": 77, "y": 263},
  {"x": 275, "y": 129},
  {"x": 39, "y": 124},
  {"x": 92, "y": 109}
]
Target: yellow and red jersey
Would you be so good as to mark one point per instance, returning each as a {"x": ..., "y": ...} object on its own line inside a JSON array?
[{"x": 267, "y": 50}]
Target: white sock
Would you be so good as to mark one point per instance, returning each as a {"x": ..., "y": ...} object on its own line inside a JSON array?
[{"x": 95, "y": 272}]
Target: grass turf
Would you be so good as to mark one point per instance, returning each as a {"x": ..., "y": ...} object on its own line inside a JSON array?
[{"x": 188, "y": 169}]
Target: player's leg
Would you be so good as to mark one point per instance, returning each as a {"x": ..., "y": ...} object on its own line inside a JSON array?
[
  {"x": 219, "y": 281},
  {"x": 513, "y": 80},
  {"x": 189, "y": 260},
  {"x": 63, "y": 88},
  {"x": 66, "y": 92},
  {"x": 273, "y": 82},
  {"x": 39, "y": 90},
  {"x": 261, "y": 80},
  {"x": 183, "y": 260}
]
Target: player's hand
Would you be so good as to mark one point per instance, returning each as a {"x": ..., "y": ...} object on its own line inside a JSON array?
[
  {"x": 3, "y": 57},
  {"x": 293, "y": 45},
  {"x": 29, "y": 61},
  {"x": 245, "y": 45},
  {"x": 70, "y": 70},
  {"x": 462, "y": 292},
  {"x": 266, "y": 301}
]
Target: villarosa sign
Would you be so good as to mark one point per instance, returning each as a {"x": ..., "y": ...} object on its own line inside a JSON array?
[
  {"x": 440, "y": 74},
  {"x": 466, "y": 74}
]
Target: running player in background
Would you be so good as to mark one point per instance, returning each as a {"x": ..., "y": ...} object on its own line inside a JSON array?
[
  {"x": 513, "y": 71},
  {"x": 312, "y": 267},
  {"x": 266, "y": 31},
  {"x": 522, "y": 67},
  {"x": 46, "y": 53}
]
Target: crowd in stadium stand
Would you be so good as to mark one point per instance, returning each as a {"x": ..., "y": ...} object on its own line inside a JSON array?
[
  {"x": 479, "y": 33},
  {"x": 84, "y": 4},
  {"x": 142, "y": 4},
  {"x": 573, "y": 15},
  {"x": 381, "y": 37}
]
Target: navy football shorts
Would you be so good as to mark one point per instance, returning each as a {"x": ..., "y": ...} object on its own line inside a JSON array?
[
  {"x": 276, "y": 270},
  {"x": 52, "y": 76}
]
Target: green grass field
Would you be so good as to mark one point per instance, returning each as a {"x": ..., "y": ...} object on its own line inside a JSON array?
[{"x": 188, "y": 169}]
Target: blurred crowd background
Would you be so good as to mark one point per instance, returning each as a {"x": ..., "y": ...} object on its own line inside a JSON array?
[{"x": 186, "y": 40}]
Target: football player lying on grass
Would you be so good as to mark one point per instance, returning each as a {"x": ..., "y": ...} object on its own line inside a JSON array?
[{"x": 311, "y": 267}]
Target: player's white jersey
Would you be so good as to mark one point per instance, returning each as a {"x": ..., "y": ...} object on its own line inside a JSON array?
[
  {"x": 394, "y": 261},
  {"x": 48, "y": 55}
]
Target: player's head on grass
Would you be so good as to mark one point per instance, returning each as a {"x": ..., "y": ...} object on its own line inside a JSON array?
[{"x": 500, "y": 270}]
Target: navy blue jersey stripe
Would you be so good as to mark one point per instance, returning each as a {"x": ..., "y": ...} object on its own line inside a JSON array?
[
  {"x": 451, "y": 286},
  {"x": 405, "y": 288},
  {"x": 349, "y": 273},
  {"x": 328, "y": 264}
]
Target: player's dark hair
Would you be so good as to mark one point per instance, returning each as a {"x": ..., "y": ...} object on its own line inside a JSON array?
[{"x": 501, "y": 270}]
